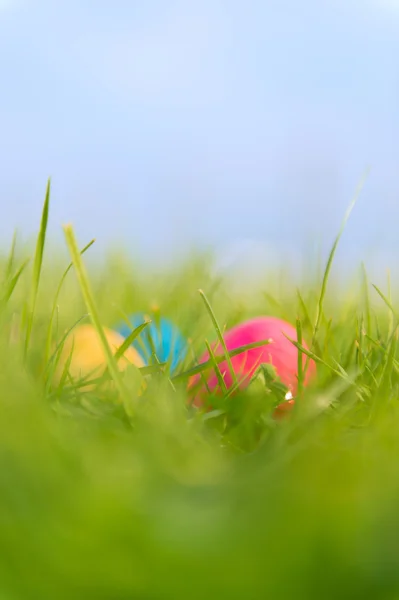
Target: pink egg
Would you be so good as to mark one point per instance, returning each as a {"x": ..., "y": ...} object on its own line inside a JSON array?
[{"x": 279, "y": 352}]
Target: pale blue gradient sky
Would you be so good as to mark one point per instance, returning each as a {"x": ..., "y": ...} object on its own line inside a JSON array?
[{"x": 167, "y": 123}]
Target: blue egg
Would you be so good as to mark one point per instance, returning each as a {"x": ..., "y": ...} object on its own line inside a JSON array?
[{"x": 160, "y": 335}]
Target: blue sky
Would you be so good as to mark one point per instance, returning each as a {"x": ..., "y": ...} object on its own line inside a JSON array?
[{"x": 168, "y": 124}]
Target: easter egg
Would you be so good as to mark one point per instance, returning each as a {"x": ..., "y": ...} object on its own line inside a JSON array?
[
  {"x": 88, "y": 356},
  {"x": 279, "y": 352},
  {"x": 161, "y": 334}
]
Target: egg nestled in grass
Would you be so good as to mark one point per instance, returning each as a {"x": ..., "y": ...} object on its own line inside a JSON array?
[
  {"x": 85, "y": 353},
  {"x": 279, "y": 352},
  {"x": 161, "y": 336}
]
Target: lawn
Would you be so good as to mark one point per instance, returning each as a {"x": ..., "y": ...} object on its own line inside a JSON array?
[{"x": 120, "y": 492}]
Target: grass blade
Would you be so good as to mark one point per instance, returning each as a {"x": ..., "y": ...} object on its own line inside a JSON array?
[
  {"x": 390, "y": 314},
  {"x": 13, "y": 282},
  {"x": 319, "y": 310},
  {"x": 37, "y": 266},
  {"x": 56, "y": 352},
  {"x": 366, "y": 299},
  {"x": 386, "y": 374},
  {"x": 50, "y": 326},
  {"x": 215, "y": 365},
  {"x": 130, "y": 339},
  {"x": 206, "y": 365},
  {"x": 92, "y": 309},
  {"x": 11, "y": 257},
  {"x": 339, "y": 372},
  {"x": 219, "y": 334},
  {"x": 153, "y": 369},
  {"x": 140, "y": 339},
  {"x": 387, "y": 302}
]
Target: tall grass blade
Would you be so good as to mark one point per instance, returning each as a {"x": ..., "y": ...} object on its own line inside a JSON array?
[
  {"x": 219, "y": 334},
  {"x": 37, "y": 267},
  {"x": 13, "y": 282},
  {"x": 366, "y": 293},
  {"x": 92, "y": 309},
  {"x": 11, "y": 257},
  {"x": 319, "y": 310},
  {"x": 54, "y": 308}
]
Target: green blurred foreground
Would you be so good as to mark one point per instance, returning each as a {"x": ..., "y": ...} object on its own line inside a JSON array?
[{"x": 124, "y": 497}]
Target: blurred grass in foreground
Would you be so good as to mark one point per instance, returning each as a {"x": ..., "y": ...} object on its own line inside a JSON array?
[{"x": 123, "y": 497}]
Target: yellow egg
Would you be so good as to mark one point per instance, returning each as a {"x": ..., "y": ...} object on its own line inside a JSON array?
[{"x": 88, "y": 355}]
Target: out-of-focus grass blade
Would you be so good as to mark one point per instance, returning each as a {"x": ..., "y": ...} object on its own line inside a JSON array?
[
  {"x": 306, "y": 321},
  {"x": 11, "y": 257},
  {"x": 54, "y": 359},
  {"x": 213, "y": 414},
  {"x": 385, "y": 377},
  {"x": 37, "y": 267},
  {"x": 64, "y": 373},
  {"x": 201, "y": 373},
  {"x": 387, "y": 302},
  {"x": 152, "y": 369},
  {"x": 390, "y": 314},
  {"x": 319, "y": 310},
  {"x": 366, "y": 299},
  {"x": 272, "y": 301},
  {"x": 10, "y": 287}
]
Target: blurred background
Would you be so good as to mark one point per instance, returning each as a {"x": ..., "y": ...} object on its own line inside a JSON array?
[{"x": 168, "y": 125}]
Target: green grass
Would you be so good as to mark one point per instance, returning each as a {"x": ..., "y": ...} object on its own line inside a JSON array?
[{"x": 129, "y": 496}]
